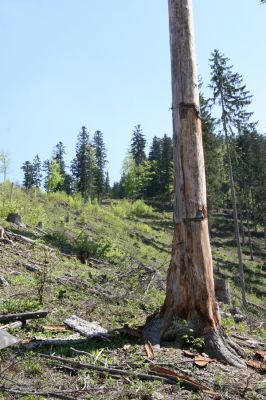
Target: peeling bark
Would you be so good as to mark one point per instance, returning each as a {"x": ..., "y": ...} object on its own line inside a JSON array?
[{"x": 190, "y": 291}]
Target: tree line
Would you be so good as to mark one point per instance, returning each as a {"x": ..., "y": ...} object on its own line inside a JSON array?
[{"x": 235, "y": 156}]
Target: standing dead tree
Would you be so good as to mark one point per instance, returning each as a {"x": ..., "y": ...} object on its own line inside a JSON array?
[{"x": 190, "y": 287}]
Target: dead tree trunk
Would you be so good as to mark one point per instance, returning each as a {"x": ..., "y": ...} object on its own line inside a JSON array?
[{"x": 190, "y": 287}]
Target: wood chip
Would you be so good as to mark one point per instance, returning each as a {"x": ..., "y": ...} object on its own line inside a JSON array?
[
  {"x": 258, "y": 365},
  {"x": 201, "y": 361},
  {"x": 186, "y": 380},
  {"x": 149, "y": 350},
  {"x": 261, "y": 354},
  {"x": 188, "y": 353},
  {"x": 55, "y": 328}
]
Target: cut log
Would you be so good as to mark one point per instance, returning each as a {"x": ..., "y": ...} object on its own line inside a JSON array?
[
  {"x": 222, "y": 291},
  {"x": 85, "y": 328}
]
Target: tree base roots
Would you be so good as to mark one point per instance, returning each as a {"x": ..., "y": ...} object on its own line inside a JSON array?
[{"x": 217, "y": 344}]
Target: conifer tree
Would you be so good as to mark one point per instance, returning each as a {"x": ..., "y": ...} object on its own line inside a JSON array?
[
  {"x": 166, "y": 165},
  {"x": 37, "y": 171},
  {"x": 213, "y": 155},
  {"x": 58, "y": 156},
  {"x": 101, "y": 160},
  {"x": 138, "y": 143},
  {"x": 107, "y": 187},
  {"x": 83, "y": 166},
  {"x": 233, "y": 99},
  {"x": 28, "y": 179},
  {"x": 154, "y": 158}
]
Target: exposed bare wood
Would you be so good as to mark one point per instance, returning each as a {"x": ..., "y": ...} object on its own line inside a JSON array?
[
  {"x": 85, "y": 328},
  {"x": 190, "y": 287}
]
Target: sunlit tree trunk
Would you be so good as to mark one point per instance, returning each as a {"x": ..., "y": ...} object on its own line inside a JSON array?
[{"x": 190, "y": 286}]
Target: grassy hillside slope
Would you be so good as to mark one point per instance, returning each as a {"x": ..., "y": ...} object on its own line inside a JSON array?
[{"x": 128, "y": 248}]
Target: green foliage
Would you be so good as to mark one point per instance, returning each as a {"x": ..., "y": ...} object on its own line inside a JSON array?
[
  {"x": 32, "y": 367},
  {"x": 16, "y": 306},
  {"x": 41, "y": 275},
  {"x": 97, "y": 249},
  {"x": 54, "y": 177},
  {"x": 4, "y": 164},
  {"x": 137, "y": 208},
  {"x": 84, "y": 165}
]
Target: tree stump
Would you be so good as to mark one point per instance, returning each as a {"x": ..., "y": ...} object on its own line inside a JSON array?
[
  {"x": 16, "y": 219},
  {"x": 222, "y": 291}
]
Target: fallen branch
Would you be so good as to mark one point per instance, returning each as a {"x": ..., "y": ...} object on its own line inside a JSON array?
[
  {"x": 70, "y": 340},
  {"x": 16, "y": 324},
  {"x": 31, "y": 393},
  {"x": 4, "y": 236},
  {"x": 20, "y": 238},
  {"x": 112, "y": 371}
]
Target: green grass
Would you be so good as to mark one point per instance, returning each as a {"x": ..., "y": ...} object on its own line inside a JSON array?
[{"x": 127, "y": 237}]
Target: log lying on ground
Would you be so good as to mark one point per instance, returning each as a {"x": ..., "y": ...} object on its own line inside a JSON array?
[
  {"x": 22, "y": 317},
  {"x": 64, "y": 341},
  {"x": 85, "y": 328},
  {"x": 20, "y": 238}
]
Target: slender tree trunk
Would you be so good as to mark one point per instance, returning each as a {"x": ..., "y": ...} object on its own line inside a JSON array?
[
  {"x": 248, "y": 226},
  {"x": 242, "y": 228},
  {"x": 265, "y": 233},
  {"x": 237, "y": 236},
  {"x": 190, "y": 287}
]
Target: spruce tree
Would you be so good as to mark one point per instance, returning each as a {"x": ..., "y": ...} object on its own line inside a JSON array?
[
  {"x": 83, "y": 166},
  {"x": 154, "y": 158},
  {"x": 213, "y": 156},
  {"x": 166, "y": 166},
  {"x": 37, "y": 171},
  {"x": 101, "y": 160},
  {"x": 28, "y": 179},
  {"x": 138, "y": 143},
  {"x": 231, "y": 95},
  {"x": 107, "y": 187}
]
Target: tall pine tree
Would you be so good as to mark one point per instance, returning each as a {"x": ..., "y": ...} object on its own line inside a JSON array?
[
  {"x": 28, "y": 179},
  {"x": 84, "y": 164},
  {"x": 101, "y": 160},
  {"x": 231, "y": 95}
]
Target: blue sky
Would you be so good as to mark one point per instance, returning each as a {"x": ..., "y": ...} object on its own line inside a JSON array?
[{"x": 106, "y": 65}]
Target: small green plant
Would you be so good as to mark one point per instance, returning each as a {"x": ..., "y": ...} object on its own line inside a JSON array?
[
  {"x": 41, "y": 275},
  {"x": 33, "y": 368},
  {"x": 99, "y": 249}
]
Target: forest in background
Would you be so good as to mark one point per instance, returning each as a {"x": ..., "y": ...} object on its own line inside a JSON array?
[{"x": 227, "y": 127}]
